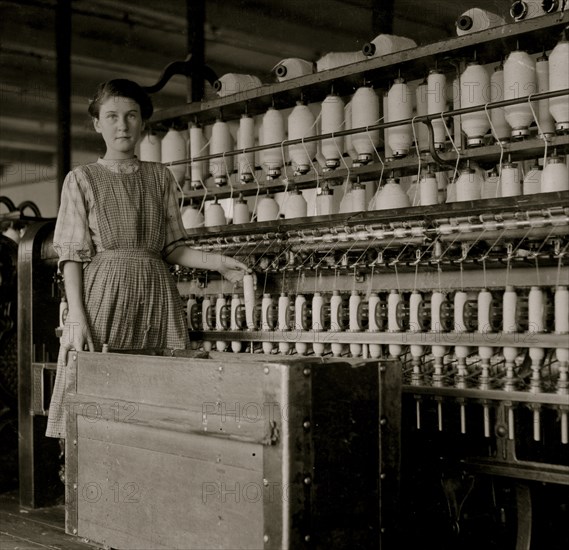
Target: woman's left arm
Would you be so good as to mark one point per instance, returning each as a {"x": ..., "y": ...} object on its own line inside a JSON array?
[
  {"x": 233, "y": 270},
  {"x": 177, "y": 252}
]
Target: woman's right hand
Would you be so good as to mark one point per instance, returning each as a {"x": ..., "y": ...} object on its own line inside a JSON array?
[{"x": 76, "y": 333}]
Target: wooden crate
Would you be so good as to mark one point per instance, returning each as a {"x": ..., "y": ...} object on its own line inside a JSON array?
[{"x": 233, "y": 452}]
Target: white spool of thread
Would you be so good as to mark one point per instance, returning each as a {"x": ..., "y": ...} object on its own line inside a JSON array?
[
  {"x": 509, "y": 310},
  {"x": 546, "y": 121},
  {"x": 484, "y": 311},
  {"x": 272, "y": 131},
  {"x": 234, "y": 83},
  {"x": 415, "y": 301},
  {"x": 151, "y": 148},
  {"x": 214, "y": 215},
  {"x": 436, "y": 103},
  {"x": 354, "y": 321},
  {"x": 429, "y": 189},
  {"x": 249, "y": 298},
  {"x": 266, "y": 307},
  {"x": 498, "y": 116},
  {"x": 267, "y": 209},
  {"x": 460, "y": 300},
  {"x": 292, "y": 67},
  {"x": 191, "y": 305},
  {"x": 437, "y": 299},
  {"x": 295, "y": 205},
  {"x": 173, "y": 148},
  {"x": 348, "y": 144},
  {"x": 474, "y": 86},
  {"x": 391, "y": 195},
  {"x": 399, "y": 106},
  {"x": 559, "y": 80},
  {"x": 332, "y": 120},
  {"x": 301, "y": 125},
  {"x": 555, "y": 176},
  {"x": 393, "y": 300},
  {"x": 561, "y": 310},
  {"x": 325, "y": 202},
  {"x": 245, "y": 140},
  {"x": 241, "y": 211},
  {"x": 511, "y": 184},
  {"x": 221, "y": 142},
  {"x": 384, "y": 44},
  {"x": 220, "y": 304},
  {"x": 468, "y": 185},
  {"x": 354, "y": 309},
  {"x": 192, "y": 217},
  {"x": 358, "y": 198},
  {"x": 299, "y": 312},
  {"x": 318, "y": 321},
  {"x": 197, "y": 149},
  {"x": 338, "y": 59},
  {"x": 335, "y": 322},
  {"x": 335, "y": 306},
  {"x": 532, "y": 180},
  {"x": 236, "y": 345},
  {"x": 365, "y": 112},
  {"x": 317, "y": 312},
  {"x": 520, "y": 80},
  {"x": 387, "y": 149},
  {"x": 421, "y": 131},
  {"x": 283, "y": 319},
  {"x": 536, "y": 310},
  {"x": 373, "y": 304},
  {"x": 476, "y": 19}
]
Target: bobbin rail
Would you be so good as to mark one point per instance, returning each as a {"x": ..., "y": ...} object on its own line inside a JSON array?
[
  {"x": 533, "y": 35},
  {"x": 407, "y": 165},
  {"x": 500, "y": 220},
  {"x": 490, "y": 339},
  {"x": 483, "y": 210}
]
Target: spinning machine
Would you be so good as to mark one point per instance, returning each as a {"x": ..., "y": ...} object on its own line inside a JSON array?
[{"x": 417, "y": 212}]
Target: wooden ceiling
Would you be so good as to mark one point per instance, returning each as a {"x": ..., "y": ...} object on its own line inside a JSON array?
[{"x": 138, "y": 38}]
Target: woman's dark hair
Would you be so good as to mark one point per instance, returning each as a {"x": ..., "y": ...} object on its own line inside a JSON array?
[{"x": 121, "y": 87}]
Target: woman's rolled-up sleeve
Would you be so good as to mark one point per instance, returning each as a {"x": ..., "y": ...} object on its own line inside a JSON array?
[
  {"x": 175, "y": 233},
  {"x": 72, "y": 239}
]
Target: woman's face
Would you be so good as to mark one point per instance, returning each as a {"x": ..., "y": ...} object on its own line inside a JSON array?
[{"x": 121, "y": 125}]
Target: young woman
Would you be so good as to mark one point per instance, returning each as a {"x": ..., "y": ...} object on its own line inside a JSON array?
[{"x": 117, "y": 228}]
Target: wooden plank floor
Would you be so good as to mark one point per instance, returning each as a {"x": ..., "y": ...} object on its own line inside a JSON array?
[{"x": 25, "y": 529}]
